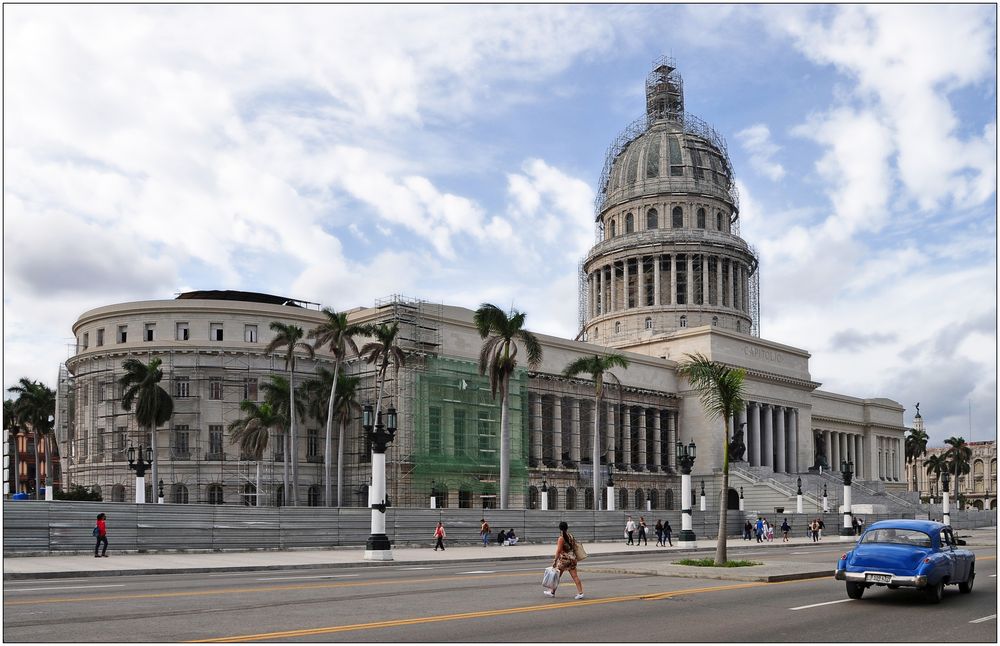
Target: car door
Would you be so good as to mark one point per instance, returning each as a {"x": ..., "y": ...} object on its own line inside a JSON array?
[{"x": 957, "y": 558}]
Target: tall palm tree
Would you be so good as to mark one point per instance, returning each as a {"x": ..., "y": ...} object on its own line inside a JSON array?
[
  {"x": 34, "y": 406},
  {"x": 338, "y": 335},
  {"x": 916, "y": 444},
  {"x": 382, "y": 352},
  {"x": 153, "y": 405},
  {"x": 252, "y": 433},
  {"x": 597, "y": 366},
  {"x": 290, "y": 337},
  {"x": 344, "y": 410},
  {"x": 935, "y": 465},
  {"x": 275, "y": 392},
  {"x": 720, "y": 389},
  {"x": 959, "y": 461},
  {"x": 498, "y": 357}
]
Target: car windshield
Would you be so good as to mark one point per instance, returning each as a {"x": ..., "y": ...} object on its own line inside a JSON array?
[{"x": 899, "y": 536}]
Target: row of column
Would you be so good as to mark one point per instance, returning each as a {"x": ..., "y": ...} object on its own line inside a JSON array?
[
  {"x": 842, "y": 445},
  {"x": 888, "y": 457},
  {"x": 624, "y": 284},
  {"x": 771, "y": 435},
  {"x": 644, "y": 439}
]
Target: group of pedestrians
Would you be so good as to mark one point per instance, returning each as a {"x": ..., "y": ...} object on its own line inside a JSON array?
[
  {"x": 663, "y": 532},
  {"x": 816, "y": 528}
]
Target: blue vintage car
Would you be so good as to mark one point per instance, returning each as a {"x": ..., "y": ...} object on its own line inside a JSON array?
[{"x": 919, "y": 554}]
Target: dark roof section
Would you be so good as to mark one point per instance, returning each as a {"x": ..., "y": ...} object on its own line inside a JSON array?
[{"x": 234, "y": 295}]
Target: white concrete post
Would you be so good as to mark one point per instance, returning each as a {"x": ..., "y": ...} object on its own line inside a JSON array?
[
  {"x": 946, "y": 512},
  {"x": 611, "y": 498},
  {"x": 798, "y": 504},
  {"x": 434, "y": 502},
  {"x": 847, "y": 532},
  {"x": 140, "y": 490},
  {"x": 545, "y": 501},
  {"x": 686, "y": 524}
]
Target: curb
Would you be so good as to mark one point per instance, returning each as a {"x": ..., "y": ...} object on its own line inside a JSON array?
[{"x": 708, "y": 573}]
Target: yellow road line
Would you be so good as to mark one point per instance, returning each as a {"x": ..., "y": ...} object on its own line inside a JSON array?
[{"x": 393, "y": 623}]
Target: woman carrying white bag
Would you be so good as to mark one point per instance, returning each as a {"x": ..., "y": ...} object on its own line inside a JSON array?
[{"x": 568, "y": 553}]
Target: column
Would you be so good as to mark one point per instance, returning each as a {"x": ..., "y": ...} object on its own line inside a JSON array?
[
  {"x": 557, "y": 430},
  {"x": 657, "y": 442},
  {"x": 593, "y": 294},
  {"x": 793, "y": 436},
  {"x": 642, "y": 440},
  {"x": 755, "y": 434},
  {"x": 625, "y": 286},
  {"x": 859, "y": 460},
  {"x": 843, "y": 447},
  {"x": 767, "y": 433},
  {"x": 536, "y": 428},
  {"x": 656, "y": 280},
  {"x": 731, "y": 284},
  {"x": 718, "y": 281},
  {"x": 835, "y": 456},
  {"x": 741, "y": 418},
  {"x": 690, "y": 279},
  {"x": 779, "y": 434},
  {"x": 737, "y": 292},
  {"x": 672, "y": 440},
  {"x": 828, "y": 440},
  {"x": 640, "y": 300},
  {"x": 704, "y": 279},
  {"x": 610, "y": 434},
  {"x": 613, "y": 307},
  {"x": 626, "y": 449},
  {"x": 574, "y": 438},
  {"x": 673, "y": 279}
]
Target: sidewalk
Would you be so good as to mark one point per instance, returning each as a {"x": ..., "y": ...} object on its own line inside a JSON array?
[{"x": 78, "y": 565}]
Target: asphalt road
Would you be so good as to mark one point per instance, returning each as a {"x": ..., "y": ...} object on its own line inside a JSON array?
[{"x": 489, "y": 601}]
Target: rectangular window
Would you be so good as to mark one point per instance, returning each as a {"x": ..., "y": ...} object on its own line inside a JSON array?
[
  {"x": 182, "y": 437},
  {"x": 487, "y": 436},
  {"x": 102, "y": 392},
  {"x": 182, "y": 386},
  {"x": 250, "y": 333},
  {"x": 121, "y": 437},
  {"x": 122, "y": 333},
  {"x": 434, "y": 429},
  {"x": 86, "y": 396},
  {"x": 183, "y": 332},
  {"x": 215, "y": 440},
  {"x": 99, "y": 443},
  {"x": 312, "y": 443},
  {"x": 681, "y": 279},
  {"x": 215, "y": 331},
  {"x": 250, "y": 389},
  {"x": 85, "y": 341},
  {"x": 215, "y": 387},
  {"x": 696, "y": 164},
  {"x": 100, "y": 337},
  {"x": 459, "y": 432},
  {"x": 149, "y": 329}
]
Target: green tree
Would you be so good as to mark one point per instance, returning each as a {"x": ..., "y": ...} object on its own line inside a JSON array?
[
  {"x": 383, "y": 352},
  {"x": 253, "y": 432},
  {"x": 35, "y": 405},
  {"x": 78, "y": 492},
  {"x": 959, "y": 457},
  {"x": 936, "y": 465},
  {"x": 498, "y": 359},
  {"x": 916, "y": 444},
  {"x": 275, "y": 392},
  {"x": 337, "y": 333},
  {"x": 153, "y": 405},
  {"x": 345, "y": 409},
  {"x": 290, "y": 337},
  {"x": 597, "y": 366},
  {"x": 720, "y": 389}
]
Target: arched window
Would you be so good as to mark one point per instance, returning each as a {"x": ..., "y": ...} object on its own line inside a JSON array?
[
  {"x": 215, "y": 494},
  {"x": 684, "y": 321},
  {"x": 669, "y": 500},
  {"x": 633, "y": 166},
  {"x": 553, "y": 498},
  {"x": 652, "y": 221},
  {"x": 533, "y": 497},
  {"x": 677, "y": 218},
  {"x": 588, "y": 498},
  {"x": 618, "y": 327},
  {"x": 571, "y": 498},
  {"x": 118, "y": 493},
  {"x": 653, "y": 158},
  {"x": 715, "y": 321},
  {"x": 654, "y": 498},
  {"x": 701, "y": 218},
  {"x": 640, "y": 499},
  {"x": 315, "y": 495},
  {"x": 649, "y": 323},
  {"x": 179, "y": 494},
  {"x": 737, "y": 326},
  {"x": 629, "y": 223},
  {"x": 718, "y": 220},
  {"x": 613, "y": 229},
  {"x": 623, "y": 498}
]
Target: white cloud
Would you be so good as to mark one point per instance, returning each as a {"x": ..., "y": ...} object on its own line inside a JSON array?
[{"x": 756, "y": 139}]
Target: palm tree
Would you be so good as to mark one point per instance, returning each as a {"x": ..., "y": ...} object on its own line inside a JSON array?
[
  {"x": 720, "y": 389},
  {"x": 252, "y": 432},
  {"x": 338, "y": 334},
  {"x": 381, "y": 352},
  {"x": 35, "y": 405},
  {"x": 596, "y": 366},
  {"x": 289, "y": 337},
  {"x": 153, "y": 405},
  {"x": 935, "y": 465},
  {"x": 916, "y": 444},
  {"x": 344, "y": 410},
  {"x": 275, "y": 392},
  {"x": 498, "y": 357},
  {"x": 10, "y": 427},
  {"x": 959, "y": 461}
]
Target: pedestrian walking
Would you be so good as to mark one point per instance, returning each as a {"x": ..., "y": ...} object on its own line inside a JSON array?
[
  {"x": 439, "y": 535},
  {"x": 667, "y": 531},
  {"x": 759, "y": 530},
  {"x": 101, "y": 533},
  {"x": 659, "y": 533},
  {"x": 630, "y": 531},
  {"x": 484, "y": 531},
  {"x": 785, "y": 528},
  {"x": 814, "y": 526},
  {"x": 642, "y": 531},
  {"x": 822, "y": 526},
  {"x": 747, "y": 530},
  {"x": 565, "y": 559}
]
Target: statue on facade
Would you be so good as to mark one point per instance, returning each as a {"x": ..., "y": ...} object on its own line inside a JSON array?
[
  {"x": 737, "y": 447},
  {"x": 820, "y": 445}
]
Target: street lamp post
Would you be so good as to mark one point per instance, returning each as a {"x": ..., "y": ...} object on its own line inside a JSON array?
[
  {"x": 545, "y": 495},
  {"x": 611, "y": 490},
  {"x": 826, "y": 501},
  {"x": 847, "y": 470},
  {"x": 685, "y": 457},
  {"x": 159, "y": 498},
  {"x": 945, "y": 510},
  {"x": 378, "y": 547},
  {"x": 139, "y": 466},
  {"x": 701, "y": 502},
  {"x": 798, "y": 496},
  {"x": 741, "y": 499}
]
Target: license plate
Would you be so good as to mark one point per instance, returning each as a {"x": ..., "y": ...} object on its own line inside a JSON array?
[{"x": 878, "y": 578}]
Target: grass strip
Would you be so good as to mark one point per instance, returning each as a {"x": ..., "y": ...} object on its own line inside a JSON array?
[{"x": 710, "y": 562}]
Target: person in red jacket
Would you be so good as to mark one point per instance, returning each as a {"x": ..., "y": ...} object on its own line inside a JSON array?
[
  {"x": 439, "y": 535},
  {"x": 102, "y": 536}
]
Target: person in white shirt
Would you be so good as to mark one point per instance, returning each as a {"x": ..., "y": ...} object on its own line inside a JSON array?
[{"x": 630, "y": 531}]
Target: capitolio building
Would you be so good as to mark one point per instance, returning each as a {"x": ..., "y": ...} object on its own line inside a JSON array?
[{"x": 669, "y": 275}]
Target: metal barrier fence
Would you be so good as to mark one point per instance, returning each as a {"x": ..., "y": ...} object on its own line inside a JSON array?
[{"x": 65, "y": 526}]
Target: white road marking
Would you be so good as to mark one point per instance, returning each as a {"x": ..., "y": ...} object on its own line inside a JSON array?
[
  {"x": 479, "y": 572},
  {"x": 982, "y": 619},
  {"x": 317, "y": 576},
  {"x": 70, "y": 587},
  {"x": 825, "y": 603}
]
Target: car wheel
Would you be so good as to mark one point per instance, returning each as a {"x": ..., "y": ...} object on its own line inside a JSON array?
[
  {"x": 936, "y": 592},
  {"x": 855, "y": 590},
  {"x": 966, "y": 587}
]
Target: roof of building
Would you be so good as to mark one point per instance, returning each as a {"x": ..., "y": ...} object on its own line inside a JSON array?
[{"x": 235, "y": 295}]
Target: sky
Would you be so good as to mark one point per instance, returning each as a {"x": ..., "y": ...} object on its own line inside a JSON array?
[{"x": 340, "y": 154}]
